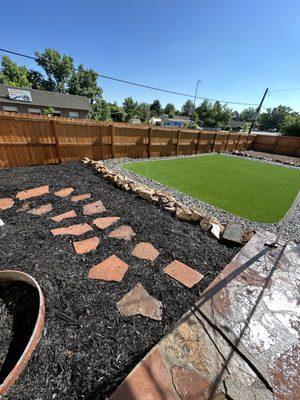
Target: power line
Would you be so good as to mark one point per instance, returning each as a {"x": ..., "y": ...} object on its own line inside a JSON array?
[{"x": 140, "y": 84}]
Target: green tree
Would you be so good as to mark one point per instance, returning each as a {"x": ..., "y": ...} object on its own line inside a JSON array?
[
  {"x": 37, "y": 80},
  {"x": 100, "y": 110},
  {"x": 291, "y": 125},
  {"x": 117, "y": 113},
  {"x": 143, "y": 112},
  {"x": 214, "y": 115},
  {"x": 83, "y": 82},
  {"x": 170, "y": 110},
  {"x": 247, "y": 114},
  {"x": 274, "y": 117},
  {"x": 155, "y": 108},
  {"x": 57, "y": 67},
  {"x": 188, "y": 108},
  {"x": 13, "y": 75},
  {"x": 48, "y": 111},
  {"x": 130, "y": 108}
]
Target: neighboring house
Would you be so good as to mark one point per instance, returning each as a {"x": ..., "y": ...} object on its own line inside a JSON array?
[
  {"x": 33, "y": 101},
  {"x": 177, "y": 121},
  {"x": 155, "y": 121}
]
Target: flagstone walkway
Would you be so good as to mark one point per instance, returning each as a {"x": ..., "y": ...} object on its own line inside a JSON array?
[
  {"x": 112, "y": 268},
  {"x": 241, "y": 340}
]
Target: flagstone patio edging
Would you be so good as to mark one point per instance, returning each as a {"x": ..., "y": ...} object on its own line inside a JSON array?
[{"x": 170, "y": 204}]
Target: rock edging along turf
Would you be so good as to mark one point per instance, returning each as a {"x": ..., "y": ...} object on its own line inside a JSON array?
[{"x": 170, "y": 204}]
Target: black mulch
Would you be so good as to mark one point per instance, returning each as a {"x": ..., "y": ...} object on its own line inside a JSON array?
[
  {"x": 19, "y": 305},
  {"x": 87, "y": 347}
]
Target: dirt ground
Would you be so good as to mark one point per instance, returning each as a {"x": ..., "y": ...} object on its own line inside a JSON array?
[
  {"x": 275, "y": 157},
  {"x": 87, "y": 347}
]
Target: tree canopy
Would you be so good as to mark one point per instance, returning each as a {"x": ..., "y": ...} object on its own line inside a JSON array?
[
  {"x": 188, "y": 108},
  {"x": 155, "y": 108}
]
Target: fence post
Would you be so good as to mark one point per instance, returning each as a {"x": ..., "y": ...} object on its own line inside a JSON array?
[
  {"x": 112, "y": 139},
  {"x": 178, "y": 139},
  {"x": 237, "y": 143},
  {"x": 246, "y": 143},
  {"x": 149, "y": 141},
  {"x": 228, "y": 136},
  {"x": 198, "y": 144},
  {"x": 213, "y": 145},
  {"x": 55, "y": 134}
]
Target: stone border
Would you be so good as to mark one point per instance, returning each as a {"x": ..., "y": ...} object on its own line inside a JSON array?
[
  {"x": 231, "y": 232},
  {"x": 265, "y": 159}
]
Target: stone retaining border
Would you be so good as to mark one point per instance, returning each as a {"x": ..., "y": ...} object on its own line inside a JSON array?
[{"x": 170, "y": 204}]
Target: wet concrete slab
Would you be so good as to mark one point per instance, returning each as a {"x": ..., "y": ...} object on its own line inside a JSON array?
[{"x": 241, "y": 339}]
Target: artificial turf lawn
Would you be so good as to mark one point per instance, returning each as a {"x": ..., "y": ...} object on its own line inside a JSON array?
[{"x": 252, "y": 190}]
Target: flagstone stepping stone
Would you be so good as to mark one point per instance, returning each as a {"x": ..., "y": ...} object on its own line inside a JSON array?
[
  {"x": 28, "y": 194},
  {"x": 94, "y": 208},
  {"x": 61, "y": 217},
  {"x": 79, "y": 197},
  {"x": 139, "y": 302},
  {"x": 87, "y": 245},
  {"x": 6, "y": 203},
  {"x": 25, "y": 207},
  {"x": 76, "y": 230},
  {"x": 105, "y": 222},
  {"x": 183, "y": 274},
  {"x": 124, "y": 232},
  {"x": 44, "y": 209},
  {"x": 111, "y": 269},
  {"x": 145, "y": 251},
  {"x": 64, "y": 192}
]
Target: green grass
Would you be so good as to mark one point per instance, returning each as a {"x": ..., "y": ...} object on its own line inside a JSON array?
[{"x": 252, "y": 190}]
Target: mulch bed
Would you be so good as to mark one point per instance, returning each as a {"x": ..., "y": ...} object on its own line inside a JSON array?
[
  {"x": 19, "y": 305},
  {"x": 87, "y": 347}
]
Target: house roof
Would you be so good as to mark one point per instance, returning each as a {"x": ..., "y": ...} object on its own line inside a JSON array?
[{"x": 47, "y": 99}]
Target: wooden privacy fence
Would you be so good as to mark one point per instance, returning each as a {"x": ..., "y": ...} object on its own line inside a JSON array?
[
  {"x": 286, "y": 145},
  {"x": 33, "y": 140}
]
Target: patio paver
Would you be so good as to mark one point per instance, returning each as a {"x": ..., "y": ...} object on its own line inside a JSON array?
[
  {"x": 86, "y": 245},
  {"x": 64, "y": 192},
  {"x": 35, "y": 192},
  {"x": 183, "y": 274},
  {"x": 76, "y": 230},
  {"x": 111, "y": 269},
  {"x": 145, "y": 251},
  {"x": 96, "y": 207},
  {"x": 44, "y": 209},
  {"x": 139, "y": 302},
  {"x": 105, "y": 222},
  {"x": 6, "y": 203},
  {"x": 80, "y": 197},
  {"x": 124, "y": 232},
  {"x": 61, "y": 217}
]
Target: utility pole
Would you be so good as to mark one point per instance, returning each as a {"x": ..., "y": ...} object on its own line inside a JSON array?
[
  {"x": 196, "y": 92},
  {"x": 258, "y": 111}
]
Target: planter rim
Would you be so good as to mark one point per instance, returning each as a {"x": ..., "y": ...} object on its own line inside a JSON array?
[{"x": 19, "y": 276}]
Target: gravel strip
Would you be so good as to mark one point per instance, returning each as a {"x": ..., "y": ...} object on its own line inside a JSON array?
[{"x": 292, "y": 232}]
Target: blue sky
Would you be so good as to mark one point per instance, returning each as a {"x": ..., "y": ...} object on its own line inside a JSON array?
[{"x": 236, "y": 48}]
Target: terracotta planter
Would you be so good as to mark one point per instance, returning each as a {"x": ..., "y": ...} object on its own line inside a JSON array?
[{"x": 10, "y": 276}]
